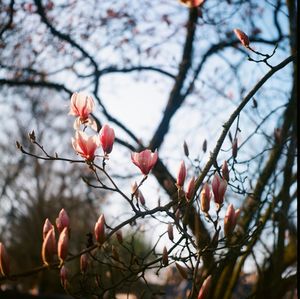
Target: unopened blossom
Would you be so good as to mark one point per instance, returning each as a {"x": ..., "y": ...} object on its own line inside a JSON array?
[
  {"x": 81, "y": 106},
  {"x": 99, "y": 229},
  {"x": 47, "y": 226},
  {"x": 225, "y": 171},
  {"x": 170, "y": 232},
  {"x": 190, "y": 189},
  {"x": 181, "y": 174},
  {"x": 62, "y": 220},
  {"x": 141, "y": 198},
  {"x": 205, "y": 288},
  {"x": 234, "y": 147},
  {"x": 219, "y": 187},
  {"x": 49, "y": 247},
  {"x": 205, "y": 198},
  {"x": 84, "y": 262},
  {"x": 144, "y": 160},
  {"x": 230, "y": 220},
  {"x": 243, "y": 37},
  {"x": 63, "y": 276},
  {"x": 191, "y": 3},
  {"x": 85, "y": 145},
  {"x": 4, "y": 261},
  {"x": 63, "y": 244},
  {"x": 165, "y": 256},
  {"x": 107, "y": 138}
]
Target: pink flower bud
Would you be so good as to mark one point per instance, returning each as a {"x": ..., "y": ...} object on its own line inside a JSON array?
[
  {"x": 234, "y": 147},
  {"x": 63, "y": 244},
  {"x": 47, "y": 226},
  {"x": 170, "y": 232},
  {"x": 62, "y": 221},
  {"x": 165, "y": 257},
  {"x": 191, "y": 3},
  {"x": 107, "y": 138},
  {"x": 190, "y": 189},
  {"x": 181, "y": 174},
  {"x": 4, "y": 261},
  {"x": 242, "y": 36},
  {"x": 205, "y": 198},
  {"x": 205, "y": 288},
  {"x": 219, "y": 187},
  {"x": 100, "y": 229},
  {"x": 85, "y": 145},
  {"x": 49, "y": 247},
  {"x": 84, "y": 262},
  {"x": 81, "y": 105},
  {"x": 144, "y": 160},
  {"x": 230, "y": 220},
  {"x": 63, "y": 276},
  {"x": 225, "y": 171},
  {"x": 119, "y": 236}
]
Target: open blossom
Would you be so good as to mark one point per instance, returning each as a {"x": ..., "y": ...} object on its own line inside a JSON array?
[
  {"x": 204, "y": 291},
  {"x": 243, "y": 37},
  {"x": 191, "y": 3},
  {"x": 144, "y": 160},
  {"x": 230, "y": 220},
  {"x": 4, "y": 261},
  {"x": 99, "y": 229},
  {"x": 107, "y": 138},
  {"x": 63, "y": 244},
  {"x": 85, "y": 145},
  {"x": 81, "y": 106},
  {"x": 49, "y": 246},
  {"x": 181, "y": 174},
  {"x": 219, "y": 187},
  {"x": 62, "y": 220}
]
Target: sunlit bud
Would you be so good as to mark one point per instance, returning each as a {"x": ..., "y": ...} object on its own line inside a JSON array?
[
  {"x": 165, "y": 257},
  {"x": 100, "y": 229},
  {"x": 63, "y": 276},
  {"x": 230, "y": 220},
  {"x": 49, "y": 247},
  {"x": 81, "y": 105},
  {"x": 205, "y": 198},
  {"x": 170, "y": 232},
  {"x": 242, "y": 36},
  {"x": 107, "y": 138},
  {"x": 141, "y": 198},
  {"x": 4, "y": 261},
  {"x": 186, "y": 149},
  {"x": 219, "y": 187},
  {"x": 181, "y": 174},
  {"x": 63, "y": 244},
  {"x": 205, "y": 288},
  {"x": 191, "y": 3},
  {"x": 119, "y": 236},
  {"x": 85, "y": 145},
  {"x": 182, "y": 271},
  {"x": 278, "y": 135},
  {"x": 62, "y": 221},
  {"x": 84, "y": 262},
  {"x": 225, "y": 171},
  {"x": 190, "y": 189},
  {"x": 144, "y": 160},
  {"x": 204, "y": 146},
  {"x": 234, "y": 147},
  {"x": 47, "y": 226}
]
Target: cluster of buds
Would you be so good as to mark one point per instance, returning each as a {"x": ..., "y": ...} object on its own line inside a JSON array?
[
  {"x": 82, "y": 106},
  {"x": 49, "y": 247}
]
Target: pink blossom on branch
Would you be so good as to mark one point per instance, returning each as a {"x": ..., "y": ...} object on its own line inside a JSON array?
[
  {"x": 62, "y": 220},
  {"x": 81, "y": 106},
  {"x": 107, "y": 138},
  {"x": 99, "y": 230},
  {"x": 205, "y": 198},
  {"x": 85, "y": 145},
  {"x": 219, "y": 187},
  {"x": 181, "y": 174},
  {"x": 144, "y": 160},
  {"x": 63, "y": 244},
  {"x": 47, "y": 226},
  {"x": 230, "y": 220},
  {"x": 243, "y": 37},
  {"x": 190, "y": 189},
  {"x": 49, "y": 247},
  {"x": 4, "y": 261}
]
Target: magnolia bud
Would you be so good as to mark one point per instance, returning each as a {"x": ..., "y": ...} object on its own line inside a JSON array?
[
  {"x": 182, "y": 271},
  {"x": 234, "y": 147},
  {"x": 62, "y": 221},
  {"x": 84, "y": 262},
  {"x": 225, "y": 171},
  {"x": 165, "y": 257},
  {"x": 181, "y": 174},
  {"x": 63, "y": 276},
  {"x": 170, "y": 232},
  {"x": 141, "y": 198},
  {"x": 47, "y": 226},
  {"x": 243, "y": 37},
  {"x": 63, "y": 243},
  {"x": 230, "y": 220},
  {"x": 205, "y": 198},
  {"x": 219, "y": 187},
  {"x": 205, "y": 288},
  {"x": 190, "y": 189},
  {"x": 4, "y": 261},
  {"x": 107, "y": 138},
  {"x": 100, "y": 229},
  {"x": 49, "y": 247}
]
